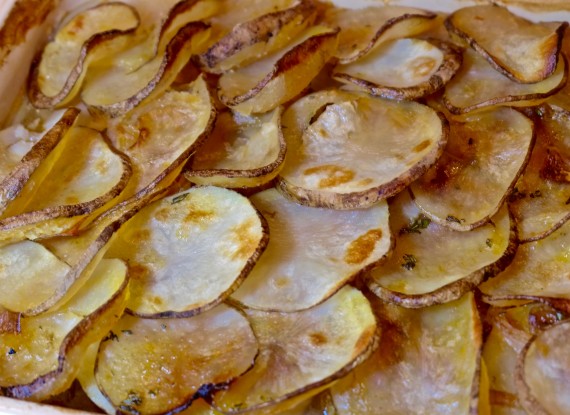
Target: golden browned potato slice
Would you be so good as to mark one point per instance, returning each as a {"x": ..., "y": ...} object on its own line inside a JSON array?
[
  {"x": 348, "y": 150},
  {"x": 153, "y": 366},
  {"x": 484, "y": 157},
  {"x": 312, "y": 252},
  {"x": 427, "y": 363},
  {"x": 524, "y": 51},
  {"x": 541, "y": 199},
  {"x": 302, "y": 352},
  {"x": 433, "y": 264},
  {"x": 281, "y": 76},
  {"x": 43, "y": 359},
  {"x": 90, "y": 36},
  {"x": 403, "y": 68},
  {"x": 363, "y": 29},
  {"x": 241, "y": 151},
  {"x": 478, "y": 85},
  {"x": 22, "y": 151}
]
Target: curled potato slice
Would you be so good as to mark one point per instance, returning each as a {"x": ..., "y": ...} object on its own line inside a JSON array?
[
  {"x": 92, "y": 35},
  {"x": 303, "y": 264},
  {"x": 241, "y": 151},
  {"x": 427, "y": 363},
  {"x": 348, "y": 150},
  {"x": 302, "y": 352},
  {"x": 157, "y": 366},
  {"x": 524, "y": 51},
  {"x": 432, "y": 264},
  {"x": 485, "y": 155},
  {"x": 403, "y": 69},
  {"x": 43, "y": 359}
]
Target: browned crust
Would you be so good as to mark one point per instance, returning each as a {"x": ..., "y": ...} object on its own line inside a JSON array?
[
  {"x": 11, "y": 186},
  {"x": 551, "y": 60},
  {"x": 9, "y": 321},
  {"x": 179, "y": 8},
  {"x": 365, "y": 198},
  {"x": 37, "y": 97},
  {"x": 453, "y": 57}
]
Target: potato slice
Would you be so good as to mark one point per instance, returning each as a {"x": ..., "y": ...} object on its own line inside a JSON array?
[
  {"x": 302, "y": 352},
  {"x": 427, "y": 362},
  {"x": 43, "y": 359},
  {"x": 364, "y": 29},
  {"x": 540, "y": 201},
  {"x": 90, "y": 36},
  {"x": 279, "y": 77},
  {"x": 403, "y": 68},
  {"x": 348, "y": 150},
  {"x": 484, "y": 157},
  {"x": 478, "y": 85},
  {"x": 524, "y": 51},
  {"x": 304, "y": 264},
  {"x": 157, "y": 366},
  {"x": 241, "y": 151},
  {"x": 432, "y": 264}
]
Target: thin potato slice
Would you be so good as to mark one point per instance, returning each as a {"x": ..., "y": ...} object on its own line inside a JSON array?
[
  {"x": 403, "y": 69},
  {"x": 478, "y": 85},
  {"x": 189, "y": 251},
  {"x": 302, "y": 352},
  {"x": 524, "y": 51},
  {"x": 484, "y": 157},
  {"x": 158, "y": 366},
  {"x": 427, "y": 363},
  {"x": 348, "y": 150},
  {"x": 363, "y": 29},
  {"x": 90, "y": 36},
  {"x": 304, "y": 264},
  {"x": 279, "y": 77},
  {"x": 241, "y": 151},
  {"x": 433, "y": 264},
  {"x": 44, "y": 358}
]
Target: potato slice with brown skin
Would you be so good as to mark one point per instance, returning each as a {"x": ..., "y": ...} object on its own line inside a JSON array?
[
  {"x": 403, "y": 69},
  {"x": 90, "y": 36},
  {"x": 348, "y": 150},
  {"x": 524, "y": 51},
  {"x": 484, "y": 157},
  {"x": 303, "y": 265},
  {"x": 43, "y": 359},
  {"x": 158, "y": 366},
  {"x": 432, "y": 264},
  {"x": 427, "y": 363}
]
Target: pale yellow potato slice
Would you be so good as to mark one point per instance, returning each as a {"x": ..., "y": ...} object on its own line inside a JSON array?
[
  {"x": 478, "y": 85},
  {"x": 403, "y": 68},
  {"x": 427, "y": 363},
  {"x": 43, "y": 359},
  {"x": 302, "y": 352},
  {"x": 485, "y": 155},
  {"x": 524, "y": 51},
  {"x": 312, "y": 253},
  {"x": 241, "y": 151},
  {"x": 90, "y": 36},
  {"x": 432, "y": 264},
  {"x": 280, "y": 76},
  {"x": 154, "y": 366},
  {"x": 361, "y": 30},
  {"x": 348, "y": 150}
]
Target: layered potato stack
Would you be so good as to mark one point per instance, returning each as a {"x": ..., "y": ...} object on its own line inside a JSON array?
[{"x": 287, "y": 207}]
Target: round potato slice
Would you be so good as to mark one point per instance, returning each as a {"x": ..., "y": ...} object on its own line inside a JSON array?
[
  {"x": 157, "y": 366},
  {"x": 312, "y": 252},
  {"x": 484, "y": 157},
  {"x": 348, "y": 150},
  {"x": 302, "y": 352},
  {"x": 433, "y": 264},
  {"x": 189, "y": 251},
  {"x": 403, "y": 69}
]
